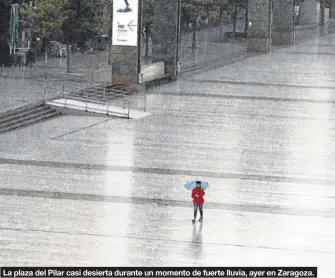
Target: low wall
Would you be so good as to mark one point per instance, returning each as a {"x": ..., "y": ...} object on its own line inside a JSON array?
[{"x": 152, "y": 72}]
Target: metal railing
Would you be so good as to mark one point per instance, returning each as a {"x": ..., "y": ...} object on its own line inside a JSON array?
[
  {"x": 129, "y": 96},
  {"x": 99, "y": 88},
  {"x": 72, "y": 85},
  {"x": 55, "y": 93},
  {"x": 90, "y": 94}
]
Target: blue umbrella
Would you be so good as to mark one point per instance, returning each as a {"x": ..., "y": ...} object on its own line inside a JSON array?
[{"x": 192, "y": 184}]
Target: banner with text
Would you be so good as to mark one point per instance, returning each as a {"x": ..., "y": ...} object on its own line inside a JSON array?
[
  {"x": 158, "y": 272},
  {"x": 125, "y": 22}
]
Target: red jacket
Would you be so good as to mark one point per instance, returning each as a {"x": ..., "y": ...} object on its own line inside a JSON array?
[{"x": 201, "y": 194}]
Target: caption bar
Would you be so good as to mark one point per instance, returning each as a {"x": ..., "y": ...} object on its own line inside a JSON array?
[{"x": 158, "y": 272}]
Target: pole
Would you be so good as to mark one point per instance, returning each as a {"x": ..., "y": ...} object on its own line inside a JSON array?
[
  {"x": 322, "y": 10},
  {"x": 293, "y": 24},
  {"x": 91, "y": 74},
  {"x": 29, "y": 22},
  {"x": 179, "y": 38},
  {"x": 86, "y": 95},
  {"x": 46, "y": 65},
  {"x": 139, "y": 33},
  {"x": 270, "y": 27},
  {"x": 110, "y": 34}
]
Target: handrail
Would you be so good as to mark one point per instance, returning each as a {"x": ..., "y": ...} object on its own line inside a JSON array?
[
  {"x": 124, "y": 101},
  {"x": 53, "y": 90},
  {"x": 96, "y": 100},
  {"x": 75, "y": 86},
  {"x": 129, "y": 95},
  {"x": 144, "y": 97},
  {"x": 69, "y": 94},
  {"x": 74, "y": 83},
  {"x": 100, "y": 88}
]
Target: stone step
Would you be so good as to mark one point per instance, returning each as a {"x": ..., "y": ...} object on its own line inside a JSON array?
[
  {"x": 30, "y": 122},
  {"x": 13, "y": 116},
  {"x": 24, "y": 118},
  {"x": 15, "y": 111}
]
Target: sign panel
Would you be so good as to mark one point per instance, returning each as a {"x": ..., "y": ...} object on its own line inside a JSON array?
[{"x": 125, "y": 21}]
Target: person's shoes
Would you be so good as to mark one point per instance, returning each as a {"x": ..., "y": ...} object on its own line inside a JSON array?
[
  {"x": 193, "y": 221},
  {"x": 200, "y": 220}
]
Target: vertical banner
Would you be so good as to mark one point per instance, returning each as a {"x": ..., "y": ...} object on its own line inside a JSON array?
[
  {"x": 125, "y": 22},
  {"x": 14, "y": 27}
]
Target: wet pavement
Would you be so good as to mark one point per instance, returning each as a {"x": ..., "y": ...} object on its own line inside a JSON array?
[{"x": 95, "y": 192}]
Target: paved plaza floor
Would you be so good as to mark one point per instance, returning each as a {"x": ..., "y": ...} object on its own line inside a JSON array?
[{"x": 109, "y": 192}]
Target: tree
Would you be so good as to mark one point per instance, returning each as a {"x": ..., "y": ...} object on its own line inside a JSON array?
[
  {"x": 222, "y": 6},
  {"x": 83, "y": 23},
  {"x": 246, "y": 23},
  {"x": 330, "y": 4},
  {"x": 47, "y": 17},
  {"x": 327, "y": 4},
  {"x": 83, "y": 20},
  {"x": 191, "y": 11}
]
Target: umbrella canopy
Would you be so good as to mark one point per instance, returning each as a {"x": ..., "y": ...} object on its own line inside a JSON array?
[{"x": 192, "y": 184}]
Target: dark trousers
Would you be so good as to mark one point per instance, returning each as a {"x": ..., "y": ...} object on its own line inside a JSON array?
[
  {"x": 197, "y": 206},
  {"x": 30, "y": 58}
]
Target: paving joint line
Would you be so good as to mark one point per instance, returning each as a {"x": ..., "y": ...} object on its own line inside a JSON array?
[
  {"x": 248, "y": 208},
  {"x": 78, "y": 130}
]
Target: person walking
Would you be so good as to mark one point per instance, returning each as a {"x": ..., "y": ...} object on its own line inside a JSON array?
[
  {"x": 30, "y": 57},
  {"x": 198, "y": 194}
]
